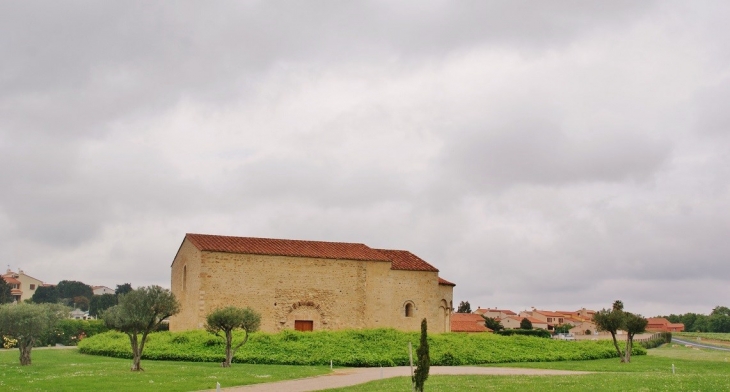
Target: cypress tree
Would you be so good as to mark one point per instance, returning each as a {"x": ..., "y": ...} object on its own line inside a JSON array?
[{"x": 424, "y": 361}]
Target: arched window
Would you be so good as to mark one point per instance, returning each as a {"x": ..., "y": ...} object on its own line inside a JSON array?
[
  {"x": 409, "y": 309},
  {"x": 185, "y": 277}
]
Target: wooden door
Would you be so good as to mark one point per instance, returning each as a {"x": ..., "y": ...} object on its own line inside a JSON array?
[{"x": 304, "y": 325}]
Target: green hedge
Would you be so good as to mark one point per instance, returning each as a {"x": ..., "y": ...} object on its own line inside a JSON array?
[
  {"x": 69, "y": 332},
  {"x": 379, "y": 347},
  {"x": 662, "y": 337},
  {"x": 540, "y": 333}
]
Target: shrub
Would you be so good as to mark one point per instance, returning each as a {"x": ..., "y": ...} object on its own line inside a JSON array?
[
  {"x": 69, "y": 332},
  {"x": 378, "y": 347},
  {"x": 541, "y": 333}
]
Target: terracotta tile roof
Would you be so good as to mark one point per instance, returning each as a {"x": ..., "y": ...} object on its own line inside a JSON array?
[
  {"x": 445, "y": 282},
  {"x": 405, "y": 260},
  {"x": 505, "y": 311},
  {"x": 549, "y": 313},
  {"x": 11, "y": 280},
  {"x": 532, "y": 319},
  {"x": 467, "y": 326},
  {"x": 657, "y": 320},
  {"x": 467, "y": 317},
  {"x": 278, "y": 247},
  {"x": 16, "y": 292}
]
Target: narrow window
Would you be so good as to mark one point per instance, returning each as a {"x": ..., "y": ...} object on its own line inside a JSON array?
[
  {"x": 185, "y": 278},
  {"x": 409, "y": 310},
  {"x": 32, "y": 287}
]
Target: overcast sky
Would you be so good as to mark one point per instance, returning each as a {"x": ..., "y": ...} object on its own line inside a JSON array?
[{"x": 554, "y": 154}]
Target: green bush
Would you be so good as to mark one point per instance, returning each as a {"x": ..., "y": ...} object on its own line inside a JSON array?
[
  {"x": 69, "y": 332},
  {"x": 661, "y": 338},
  {"x": 378, "y": 347},
  {"x": 540, "y": 333}
]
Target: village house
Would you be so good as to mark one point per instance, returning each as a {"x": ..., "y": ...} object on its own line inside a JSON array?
[
  {"x": 552, "y": 319},
  {"x": 495, "y": 313},
  {"x": 514, "y": 322},
  {"x": 308, "y": 285},
  {"x": 100, "y": 290},
  {"x": 660, "y": 324},
  {"x": 22, "y": 286}
]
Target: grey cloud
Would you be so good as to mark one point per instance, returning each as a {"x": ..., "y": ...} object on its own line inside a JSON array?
[{"x": 540, "y": 152}]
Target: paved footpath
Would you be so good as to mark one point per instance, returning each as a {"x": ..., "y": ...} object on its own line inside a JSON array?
[{"x": 353, "y": 376}]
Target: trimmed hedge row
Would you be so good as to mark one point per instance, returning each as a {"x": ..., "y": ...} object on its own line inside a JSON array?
[
  {"x": 662, "y": 337},
  {"x": 360, "y": 348},
  {"x": 540, "y": 333}
]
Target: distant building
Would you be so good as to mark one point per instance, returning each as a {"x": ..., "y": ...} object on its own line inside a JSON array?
[
  {"x": 495, "y": 313},
  {"x": 307, "y": 285},
  {"x": 22, "y": 286},
  {"x": 99, "y": 290},
  {"x": 660, "y": 324},
  {"x": 79, "y": 314}
]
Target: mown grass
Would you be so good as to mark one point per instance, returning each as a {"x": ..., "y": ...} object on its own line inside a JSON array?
[
  {"x": 69, "y": 370},
  {"x": 696, "y": 370},
  {"x": 359, "y": 348}
]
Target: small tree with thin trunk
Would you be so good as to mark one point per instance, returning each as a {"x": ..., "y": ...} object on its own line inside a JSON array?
[
  {"x": 228, "y": 319},
  {"x": 493, "y": 323},
  {"x": 138, "y": 314},
  {"x": 525, "y": 323},
  {"x": 634, "y": 324},
  {"x": 611, "y": 320},
  {"x": 424, "y": 361},
  {"x": 28, "y": 322}
]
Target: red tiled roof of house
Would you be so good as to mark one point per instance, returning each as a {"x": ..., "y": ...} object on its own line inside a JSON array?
[
  {"x": 405, "y": 260},
  {"x": 549, "y": 313},
  {"x": 657, "y": 320},
  {"x": 532, "y": 319},
  {"x": 466, "y": 317},
  {"x": 505, "y": 311},
  {"x": 467, "y": 326},
  {"x": 278, "y": 247},
  {"x": 11, "y": 280},
  {"x": 445, "y": 282},
  {"x": 16, "y": 292}
]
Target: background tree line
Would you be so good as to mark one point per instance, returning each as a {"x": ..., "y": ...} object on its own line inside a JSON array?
[
  {"x": 79, "y": 295},
  {"x": 717, "y": 321}
]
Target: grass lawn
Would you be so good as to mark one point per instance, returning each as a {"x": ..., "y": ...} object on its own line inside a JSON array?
[
  {"x": 696, "y": 370},
  {"x": 68, "y": 370}
]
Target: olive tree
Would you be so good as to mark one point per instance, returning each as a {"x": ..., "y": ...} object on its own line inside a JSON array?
[
  {"x": 228, "y": 319},
  {"x": 139, "y": 313},
  {"x": 28, "y": 323},
  {"x": 611, "y": 320},
  {"x": 633, "y": 323}
]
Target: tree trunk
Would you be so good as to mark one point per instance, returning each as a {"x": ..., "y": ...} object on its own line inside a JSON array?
[
  {"x": 136, "y": 353},
  {"x": 25, "y": 354},
  {"x": 615, "y": 344},
  {"x": 629, "y": 347},
  {"x": 229, "y": 352}
]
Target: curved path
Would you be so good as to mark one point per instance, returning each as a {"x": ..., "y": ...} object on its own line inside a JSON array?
[
  {"x": 353, "y": 376},
  {"x": 682, "y": 341}
]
